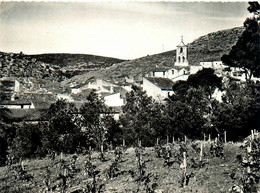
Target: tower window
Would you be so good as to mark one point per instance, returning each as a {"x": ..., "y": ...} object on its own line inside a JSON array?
[
  {"x": 179, "y": 58},
  {"x": 181, "y": 50},
  {"x": 183, "y": 58}
]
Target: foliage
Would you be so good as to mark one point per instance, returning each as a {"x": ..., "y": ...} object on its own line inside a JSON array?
[
  {"x": 206, "y": 79},
  {"x": 62, "y": 134},
  {"x": 238, "y": 113},
  {"x": 254, "y": 7},
  {"x": 26, "y": 142},
  {"x": 250, "y": 163},
  {"x": 245, "y": 54},
  {"x": 97, "y": 122},
  {"x": 186, "y": 113},
  {"x": 142, "y": 118}
]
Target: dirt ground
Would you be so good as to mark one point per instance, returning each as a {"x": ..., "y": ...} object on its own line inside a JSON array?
[{"x": 211, "y": 174}]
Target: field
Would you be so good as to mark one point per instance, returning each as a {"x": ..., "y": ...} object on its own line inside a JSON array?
[{"x": 210, "y": 167}]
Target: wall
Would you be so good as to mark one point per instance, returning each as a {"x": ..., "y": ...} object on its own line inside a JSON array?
[
  {"x": 152, "y": 90},
  {"x": 114, "y": 100},
  {"x": 17, "y": 86},
  {"x": 195, "y": 69}
]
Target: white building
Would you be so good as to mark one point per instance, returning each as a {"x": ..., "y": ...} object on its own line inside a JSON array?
[
  {"x": 114, "y": 100},
  {"x": 216, "y": 65},
  {"x": 158, "y": 88},
  {"x": 17, "y": 105},
  {"x": 65, "y": 97},
  {"x": 100, "y": 84},
  {"x": 181, "y": 68}
]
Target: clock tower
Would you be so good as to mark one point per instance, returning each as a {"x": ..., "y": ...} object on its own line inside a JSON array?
[{"x": 182, "y": 54}]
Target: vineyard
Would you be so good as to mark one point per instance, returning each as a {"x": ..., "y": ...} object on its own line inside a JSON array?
[{"x": 170, "y": 166}]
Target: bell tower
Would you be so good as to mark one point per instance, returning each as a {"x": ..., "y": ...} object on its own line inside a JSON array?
[{"x": 182, "y": 54}]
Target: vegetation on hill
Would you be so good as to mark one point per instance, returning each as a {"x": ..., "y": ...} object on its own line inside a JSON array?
[
  {"x": 51, "y": 66},
  {"x": 20, "y": 65},
  {"x": 246, "y": 53},
  {"x": 206, "y": 48},
  {"x": 191, "y": 115},
  {"x": 218, "y": 168},
  {"x": 70, "y": 65},
  {"x": 213, "y": 46},
  {"x": 80, "y": 67}
]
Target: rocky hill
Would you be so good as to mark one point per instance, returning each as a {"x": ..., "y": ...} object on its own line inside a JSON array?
[
  {"x": 206, "y": 48},
  {"x": 70, "y": 65},
  {"x": 78, "y": 68},
  {"x": 23, "y": 66},
  {"x": 54, "y": 67}
]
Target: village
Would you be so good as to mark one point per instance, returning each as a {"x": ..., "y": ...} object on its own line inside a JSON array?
[
  {"x": 30, "y": 95},
  {"x": 182, "y": 120}
]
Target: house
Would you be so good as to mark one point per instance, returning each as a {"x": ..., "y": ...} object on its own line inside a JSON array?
[
  {"x": 115, "y": 98},
  {"x": 158, "y": 88},
  {"x": 65, "y": 97},
  {"x": 99, "y": 84},
  {"x": 10, "y": 87},
  {"x": 216, "y": 65},
  {"x": 17, "y": 105}
]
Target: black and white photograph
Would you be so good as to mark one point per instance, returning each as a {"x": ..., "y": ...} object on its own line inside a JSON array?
[{"x": 129, "y": 96}]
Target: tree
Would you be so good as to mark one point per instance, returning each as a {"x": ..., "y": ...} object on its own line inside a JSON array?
[
  {"x": 62, "y": 133},
  {"x": 142, "y": 118},
  {"x": 27, "y": 141},
  {"x": 254, "y": 7},
  {"x": 186, "y": 112},
  {"x": 245, "y": 54},
  {"x": 206, "y": 79},
  {"x": 239, "y": 111},
  {"x": 97, "y": 121},
  {"x": 6, "y": 130}
]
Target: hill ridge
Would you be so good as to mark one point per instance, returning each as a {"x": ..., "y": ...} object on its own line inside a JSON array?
[{"x": 209, "y": 47}]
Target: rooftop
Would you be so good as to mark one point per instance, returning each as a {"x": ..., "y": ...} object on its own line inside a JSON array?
[
  {"x": 181, "y": 43},
  {"x": 162, "y": 83}
]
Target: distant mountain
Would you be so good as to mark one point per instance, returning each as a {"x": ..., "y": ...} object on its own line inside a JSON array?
[
  {"x": 206, "y": 48},
  {"x": 70, "y": 65}
]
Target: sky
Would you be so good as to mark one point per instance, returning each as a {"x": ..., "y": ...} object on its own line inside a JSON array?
[{"x": 125, "y": 30}]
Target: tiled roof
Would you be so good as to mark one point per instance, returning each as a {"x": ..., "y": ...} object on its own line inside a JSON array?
[
  {"x": 42, "y": 104},
  {"x": 162, "y": 83},
  {"x": 15, "y": 103},
  {"x": 25, "y": 114}
]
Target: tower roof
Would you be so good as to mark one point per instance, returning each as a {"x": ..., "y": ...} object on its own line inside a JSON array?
[{"x": 181, "y": 44}]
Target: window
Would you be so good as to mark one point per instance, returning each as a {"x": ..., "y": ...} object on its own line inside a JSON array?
[
  {"x": 181, "y": 50},
  {"x": 172, "y": 71},
  {"x": 183, "y": 58},
  {"x": 179, "y": 59}
]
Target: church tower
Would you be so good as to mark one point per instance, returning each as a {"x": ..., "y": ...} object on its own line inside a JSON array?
[{"x": 182, "y": 54}]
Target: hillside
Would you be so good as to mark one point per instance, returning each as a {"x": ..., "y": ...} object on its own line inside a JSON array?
[
  {"x": 74, "y": 64},
  {"x": 23, "y": 66},
  {"x": 86, "y": 173},
  {"x": 206, "y": 48},
  {"x": 51, "y": 66}
]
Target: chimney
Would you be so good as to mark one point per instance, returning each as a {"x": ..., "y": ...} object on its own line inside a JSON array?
[{"x": 111, "y": 89}]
